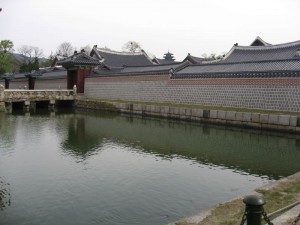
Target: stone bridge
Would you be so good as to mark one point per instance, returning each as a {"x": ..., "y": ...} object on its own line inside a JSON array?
[{"x": 29, "y": 98}]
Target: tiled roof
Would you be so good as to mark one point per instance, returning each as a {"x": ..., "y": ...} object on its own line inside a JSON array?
[
  {"x": 114, "y": 59},
  {"x": 262, "y": 53},
  {"x": 259, "y": 42},
  {"x": 194, "y": 59},
  {"x": 153, "y": 68},
  {"x": 17, "y": 76},
  {"x": 79, "y": 59},
  {"x": 143, "y": 70},
  {"x": 164, "y": 61},
  {"x": 247, "y": 69},
  {"x": 53, "y": 73}
]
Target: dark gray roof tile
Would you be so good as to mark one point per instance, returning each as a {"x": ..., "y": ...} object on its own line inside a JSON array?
[
  {"x": 194, "y": 59},
  {"x": 262, "y": 53},
  {"x": 120, "y": 59},
  {"x": 214, "y": 70},
  {"x": 79, "y": 59}
]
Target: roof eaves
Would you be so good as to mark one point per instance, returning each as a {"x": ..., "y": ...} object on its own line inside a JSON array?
[{"x": 244, "y": 74}]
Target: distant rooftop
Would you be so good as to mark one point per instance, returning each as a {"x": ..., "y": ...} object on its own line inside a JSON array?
[
  {"x": 194, "y": 59},
  {"x": 259, "y": 42},
  {"x": 80, "y": 58},
  {"x": 114, "y": 59},
  {"x": 262, "y": 53}
]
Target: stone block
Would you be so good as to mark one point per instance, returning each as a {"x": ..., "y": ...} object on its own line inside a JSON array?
[
  {"x": 157, "y": 109},
  {"x": 230, "y": 115},
  {"x": 26, "y": 103},
  {"x": 234, "y": 123},
  {"x": 122, "y": 106},
  {"x": 127, "y": 106},
  {"x": 176, "y": 111},
  {"x": 221, "y": 114},
  {"x": 245, "y": 124},
  {"x": 116, "y": 104},
  {"x": 137, "y": 107},
  {"x": 148, "y": 108},
  {"x": 255, "y": 117},
  {"x": 284, "y": 120},
  {"x": 219, "y": 121},
  {"x": 2, "y": 107},
  {"x": 239, "y": 116},
  {"x": 164, "y": 109},
  {"x": 152, "y": 108},
  {"x": 206, "y": 113},
  {"x": 182, "y": 111},
  {"x": 269, "y": 126},
  {"x": 287, "y": 128},
  {"x": 213, "y": 114},
  {"x": 197, "y": 112},
  {"x": 293, "y": 121},
  {"x": 264, "y": 118},
  {"x": 143, "y": 107},
  {"x": 188, "y": 112},
  {"x": 273, "y": 119},
  {"x": 255, "y": 125},
  {"x": 1, "y": 92},
  {"x": 246, "y": 117},
  {"x": 194, "y": 118}
]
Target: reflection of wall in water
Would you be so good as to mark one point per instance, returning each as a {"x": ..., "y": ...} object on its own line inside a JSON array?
[
  {"x": 7, "y": 130},
  {"x": 79, "y": 140},
  {"x": 257, "y": 152},
  {"x": 4, "y": 195}
]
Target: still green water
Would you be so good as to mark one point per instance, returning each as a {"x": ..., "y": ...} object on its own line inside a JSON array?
[{"x": 97, "y": 168}]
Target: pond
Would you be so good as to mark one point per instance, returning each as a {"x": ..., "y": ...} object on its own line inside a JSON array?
[{"x": 80, "y": 168}]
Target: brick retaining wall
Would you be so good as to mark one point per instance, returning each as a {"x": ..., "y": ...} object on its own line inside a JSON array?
[{"x": 281, "y": 94}]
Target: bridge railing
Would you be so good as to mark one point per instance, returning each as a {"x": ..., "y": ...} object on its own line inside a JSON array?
[{"x": 21, "y": 94}]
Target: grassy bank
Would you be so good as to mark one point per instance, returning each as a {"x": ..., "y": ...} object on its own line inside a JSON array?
[{"x": 278, "y": 196}]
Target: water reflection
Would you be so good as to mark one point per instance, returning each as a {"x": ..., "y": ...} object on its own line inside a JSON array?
[
  {"x": 256, "y": 152},
  {"x": 95, "y": 168},
  {"x": 4, "y": 194},
  {"x": 80, "y": 141},
  {"x": 7, "y": 132}
]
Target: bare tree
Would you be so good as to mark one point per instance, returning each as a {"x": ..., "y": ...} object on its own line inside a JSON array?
[
  {"x": 212, "y": 56},
  {"x": 132, "y": 46},
  {"x": 65, "y": 49},
  {"x": 30, "y": 53},
  {"x": 87, "y": 49}
]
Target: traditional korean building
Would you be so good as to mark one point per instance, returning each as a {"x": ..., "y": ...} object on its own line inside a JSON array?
[
  {"x": 260, "y": 76},
  {"x": 167, "y": 59},
  {"x": 259, "y": 42},
  {"x": 116, "y": 60},
  {"x": 78, "y": 66},
  {"x": 194, "y": 59}
]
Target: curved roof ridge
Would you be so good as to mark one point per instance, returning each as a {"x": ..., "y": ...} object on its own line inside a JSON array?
[
  {"x": 256, "y": 49},
  {"x": 119, "y": 53},
  {"x": 276, "y": 46},
  {"x": 158, "y": 65},
  {"x": 258, "y": 38}
]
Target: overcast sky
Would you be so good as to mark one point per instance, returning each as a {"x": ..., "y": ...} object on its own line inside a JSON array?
[{"x": 181, "y": 27}]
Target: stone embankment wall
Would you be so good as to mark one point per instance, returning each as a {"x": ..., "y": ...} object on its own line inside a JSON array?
[
  {"x": 280, "y": 94},
  {"x": 285, "y": 123}
]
